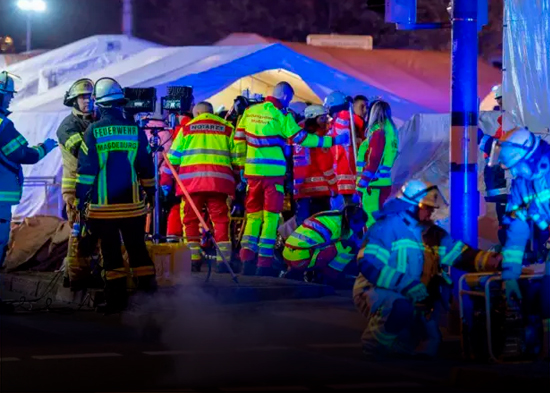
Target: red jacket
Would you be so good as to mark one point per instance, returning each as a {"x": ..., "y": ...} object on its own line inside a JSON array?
[
  {"x": 313, "y": 170},
  {"x": 344, "y": 162}
]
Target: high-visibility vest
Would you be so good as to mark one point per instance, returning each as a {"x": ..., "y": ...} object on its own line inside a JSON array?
[
  {"x": 264, "y": 131},
  {"x": 382, "y": 175},
  {"x": 315, "y": 234}
]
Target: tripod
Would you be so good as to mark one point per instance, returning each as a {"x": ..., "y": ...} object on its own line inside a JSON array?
[{"x": 156, "y": 149}]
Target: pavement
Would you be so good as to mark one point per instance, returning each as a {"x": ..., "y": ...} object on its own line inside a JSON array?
[{"x": 212, "y": 338}]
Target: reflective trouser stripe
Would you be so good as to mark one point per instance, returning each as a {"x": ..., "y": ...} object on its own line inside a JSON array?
[
  {"x": 252, "y": 231},
  {"x": 115, "y": 274},
  {"x": 268, "y": 236},
  {"x": 143, "y": 271}
]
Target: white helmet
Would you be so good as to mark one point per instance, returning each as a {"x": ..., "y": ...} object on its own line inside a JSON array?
[
  {"x": 7, "y": 83},
  {"x": 498, "y": 91},
  {"x": 420, "y": 193},
  {"x": 513, "y": 147},
  {"x": 107, "y": 90},
  {"x": 313, "y": 111},
  {"x": 298, "y": 107}
]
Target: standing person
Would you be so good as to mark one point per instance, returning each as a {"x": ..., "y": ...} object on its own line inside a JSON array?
[
  {"x": 14, "y": 152},
  {"x": 114, "y": 165},
  {"x": 375, "y": 159},
  {"x": 494, "y": 177},
  {"x": 360, "y": 109},
  {"x": 263, "y": 133},
  {"x": 205, "y": 157},
  {"x": 69, "y": 134},
  {"x": 337, "y": 105},
  {"x": 403, "y": 268},
  {"x": 313, "y": 174}
]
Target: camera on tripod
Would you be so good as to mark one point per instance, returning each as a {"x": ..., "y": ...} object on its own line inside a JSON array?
[
  {"x": 242, "y": 102},
  {"x": 140, "y": 100},
  {"x": 179, "y": 99}
]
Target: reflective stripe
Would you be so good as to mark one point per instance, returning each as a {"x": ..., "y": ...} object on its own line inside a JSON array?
[
  {"x": 72, "y": 141},
  {"x": 266, "y": 251},
  {"x": 116, "y": 274},
  {"x": 345, "y": 177},
  {"x": 512, "y": 256},
  {"x": 189, "y": 152},
  {"x": 10, "y": 196},
  {"x": 496, "y": 191},
  {"x": 10, "y": 147},
  {"x": 147, "y": 182},
  {"x": 455, "y": 252},
  {"x": 304, "y": 238},
  {"x": 143, "y": 271},
  {"x": 266, "y": 141},
  {"x": 41, "y": 152},
  {"x": 265, "y": 161},
  {"x": 185, "y": 176},
  {"x": 378, "y": 252},
  {"x": 313, "y": 189},
  {"x": 84, "y": 148},
  {"x": 386, "y": 276},
  {"x": 319, "y": 228},
  {"x": 239, "y": 135},
  {"x": 85, "y": 179}
]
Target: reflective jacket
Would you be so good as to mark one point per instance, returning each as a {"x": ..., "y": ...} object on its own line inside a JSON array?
[
  {"x": 115, "y": 166},
  {"x": 318, "y": 232},
  {"x": 528, "y": 200},
  {"x": 376, "y": 157},
  {"x": 344, "y": 161},
  {"x": 313, "y": 172},
  {"x": 400, "y": 252},
  {"x": 205, "y": 157},
  {"x": 69, "y": 135},
  {"x": 14, "y": 151},
  {"x": 263, "y": 132}
]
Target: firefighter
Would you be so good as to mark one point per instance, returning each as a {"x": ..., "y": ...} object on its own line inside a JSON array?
[
  {"x": 115, "y": 168},
  {"x": 496, "y": 184},
  {"x": 326, "y": 242},
  {"x": 337, "y": 105},
  {"x": 263, "y": 132},
  {"x": 205, "y": 157},
  {"x": 527, "y": 157},
  {"x": 403, "y": 269},
  {"x": 313, "y": 174},
  {"x": 375, "y": 159},
  {"x": 69, "y": 134},
  {"x": 14, "y": 151}
]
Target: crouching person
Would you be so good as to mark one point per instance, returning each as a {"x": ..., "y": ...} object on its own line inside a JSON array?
[
  {"x": 403, "y": 266},
  {"x": 325, "y": 243}
]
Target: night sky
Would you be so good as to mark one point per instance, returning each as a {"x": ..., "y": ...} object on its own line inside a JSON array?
[{"x": 63, "y": 22}]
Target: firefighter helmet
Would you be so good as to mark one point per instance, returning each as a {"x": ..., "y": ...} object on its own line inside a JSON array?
[
  {"x": 7, "y": 83},
  {"x": 314, "y": 111},
  {"x": 421, "y": 194},
  {"x": 336, "y": 98},
  {"x": 107, "y": 91},
  {"x": 79, "y": 88},
  {"x": 514, "y": 147},
  {"x": 298, "y": 108}
]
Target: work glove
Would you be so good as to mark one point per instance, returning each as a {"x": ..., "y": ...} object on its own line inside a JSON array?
[
  {"x": 342, "y": 139},
  {"x": 512, "y": 292},
  {"x": 166, "y": 190},
  {"x": 49, "y": 144},
  {"x": 417, "y": 293}
]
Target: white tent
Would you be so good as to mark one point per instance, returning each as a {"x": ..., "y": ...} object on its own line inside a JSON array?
[{"x": 73, "y": 61}]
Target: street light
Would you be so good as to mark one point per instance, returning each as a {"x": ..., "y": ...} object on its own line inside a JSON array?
[{"x": 31, "y": 6}]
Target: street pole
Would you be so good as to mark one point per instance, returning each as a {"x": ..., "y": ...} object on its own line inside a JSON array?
[
  {"x": 127, "y": 18},
  {"x": 29, "y": 31},
  {"x": 464, "y": 114}
]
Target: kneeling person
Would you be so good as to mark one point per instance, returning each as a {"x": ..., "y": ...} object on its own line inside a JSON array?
[
  {"x": 402, "y": 267},
  {"x": 326, "y": 242}
]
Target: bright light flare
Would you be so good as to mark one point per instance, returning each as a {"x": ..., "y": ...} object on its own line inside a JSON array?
[{"x": 32, "y": 5}]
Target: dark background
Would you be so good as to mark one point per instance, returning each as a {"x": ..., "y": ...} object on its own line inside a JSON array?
[{"x": 202, "y": 22}]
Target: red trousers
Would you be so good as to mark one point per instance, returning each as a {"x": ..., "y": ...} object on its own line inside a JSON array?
[
  {"x": 218, "y": 211},
  {"x": 174, "y": 226}
]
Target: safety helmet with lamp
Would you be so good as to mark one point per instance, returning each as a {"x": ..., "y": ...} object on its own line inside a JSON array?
[
  {"x": 336, "y": 98},
  {"x": 513, "y": 147},
  {"x": 422, "y": 194},
  {"x": 79, "y": 88},
  {"x": 314, "y": 111},
  {"x": 7, "y": 82},
  {"x": 108, "y": 91}
]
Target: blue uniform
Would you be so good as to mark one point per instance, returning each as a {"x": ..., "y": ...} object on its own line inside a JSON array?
[
  {"x": 14, "y": 151},
  {"x": 399, "y": 254}
]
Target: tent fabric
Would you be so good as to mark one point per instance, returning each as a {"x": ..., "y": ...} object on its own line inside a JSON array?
[
  {"x": 73, "y": 61},
  {"x": 526, "y": 81}
]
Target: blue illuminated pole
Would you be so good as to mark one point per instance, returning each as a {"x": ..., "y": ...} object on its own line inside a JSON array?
[{"x": 464, "y": 113}]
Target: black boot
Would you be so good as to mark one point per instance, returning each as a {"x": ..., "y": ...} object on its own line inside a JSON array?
[
  {"x": 116, "y": 297},
  {"x": 147, "y": 284}
]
